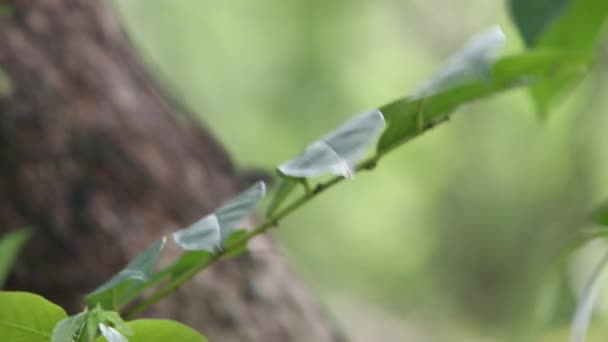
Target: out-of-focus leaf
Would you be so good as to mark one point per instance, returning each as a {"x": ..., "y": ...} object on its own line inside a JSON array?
[
  {"x": 471, "y": 63},
  {"x": 10, "y": 245},
  {"x": 339, "y": 151},
  {"x": 157, "y": 330},
  {"x": 69, "y": 328},
  {"x": 600, "y": 214},
  {"x": 208, "y": 233},
  {"x": 578, "y": 28},
  {"x": 6, "y": 86},
  {"x": 26, "y": 317},
  {"x": 533, "y": 17},
  {"x": 409, "y": 117},
  {"x": 285, "y": 187},
  {"x": 5, "y": 9},
  {"x": 569, "y": 25},
  {"x": 125, "y": 285},
  {"x": 586, "y": 302}
]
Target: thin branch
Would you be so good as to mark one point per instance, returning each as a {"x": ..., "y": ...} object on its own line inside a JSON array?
[{"x": 368, "y": 164}]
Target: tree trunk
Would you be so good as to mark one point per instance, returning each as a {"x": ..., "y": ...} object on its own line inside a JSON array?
[{"x": 100, "y": 163}]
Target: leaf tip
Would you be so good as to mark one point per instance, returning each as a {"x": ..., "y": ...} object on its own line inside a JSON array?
[
  {"x": 261, "y": 186},
  {"x": 380, "y": 115}
]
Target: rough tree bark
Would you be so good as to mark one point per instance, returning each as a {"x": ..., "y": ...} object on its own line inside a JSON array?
[{"x": 100, "y": 162}]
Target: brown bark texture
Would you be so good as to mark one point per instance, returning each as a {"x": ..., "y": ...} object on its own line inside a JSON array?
[{"x": 101, "y": 163}]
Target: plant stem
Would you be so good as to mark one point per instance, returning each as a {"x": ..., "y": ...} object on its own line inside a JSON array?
[
  {"x": 170, "y": 288},
  {"x": 273, "y": 221}
]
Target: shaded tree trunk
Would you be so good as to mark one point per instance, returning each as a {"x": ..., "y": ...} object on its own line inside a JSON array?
[{"x": 101, "y": 164}]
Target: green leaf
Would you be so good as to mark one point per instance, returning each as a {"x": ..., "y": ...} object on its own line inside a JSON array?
[
  {"x": 339, "y": 151},
  {"x": 91, "y": 327},
  {"x": 410, "y": 117},
  {"x": 600, "y": 214},
  {"x": 285, "y": 187},
  {"x": 574, "y": 26},
  {"x": 127, "y": 283},
  {"x": 579, "y": 28},
  {"x": 158, "y": 330},
  {"x": 6, "y": 86},
  {"x": 533, "y": 17},
  {"x": 235, "y": 237},
  {"x": 10, "y": 245},
  {"x": 188, "y": 261},
  {"x": 70, "y": 328},
  {"x": 87, "y": 325},
  {"x": 464, "y": 76},
  {"x": 586, "y": 302},
  {"x": 547, "y": 93},
  {"x": 26, "y": 317},
  {"x": 208, "y": 233}
]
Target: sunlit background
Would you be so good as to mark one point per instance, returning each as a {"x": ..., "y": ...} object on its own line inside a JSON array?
[{"x": 460, "y": 235}]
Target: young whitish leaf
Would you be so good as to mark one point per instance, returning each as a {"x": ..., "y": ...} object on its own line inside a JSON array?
[
  {"x": 533, "y": 17},
  {"x": 231, "y": 215},
  {"x": 409, "y": 117},
  {"x": 87, "y": 325},
  {"x": 10, "y": 245},
  {"x": 112, "y": 318},
  {"x": 26, "y": 317},
  {"x": 465, "y": 75},
  {"x": 157, "y": 330},
  {"x": 125, "y": 285},
  {"x": 285, "y": 187},
  {"x": 203, "y": 235},
  {"x": 586, "y": 302},
  {"x": 208, "y": 233},
  {"x": 110, "y": 334},
  {"x": 471, "y": 63},
  {"x": 70, "y": 328},
  {"x": 339, "y": 151}
]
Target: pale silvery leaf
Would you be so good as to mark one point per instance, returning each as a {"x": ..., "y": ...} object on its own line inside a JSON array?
[
  {"x": 202, "y": 235},
  {"x": 472, "y": 62},
  {"x": 339, "y": 151},
  {"x": 586, "y": 302},
  {"x": 234, "y": 212},
  {"x": 111, "y": 334},
  {"x": 209, "y": 232}
]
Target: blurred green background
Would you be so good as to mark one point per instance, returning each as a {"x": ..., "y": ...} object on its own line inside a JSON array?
[{"x": 458, "y": 235}]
